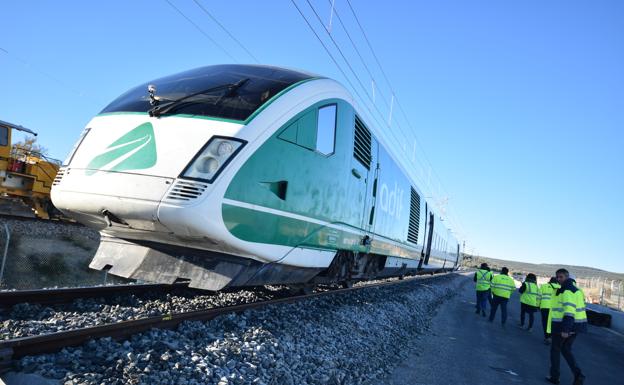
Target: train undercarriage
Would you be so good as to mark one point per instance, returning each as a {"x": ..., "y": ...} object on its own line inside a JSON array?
[{"x": 209, "y": 270}]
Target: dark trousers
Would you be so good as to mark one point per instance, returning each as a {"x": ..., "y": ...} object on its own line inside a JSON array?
[
  {"x": 483, "y": 297},
  {"x": 527, "y": 309},
  {"x": 562, "y": 346},
  {"x": 496, "y": 301},
  {"x": 545, "y": 313}
]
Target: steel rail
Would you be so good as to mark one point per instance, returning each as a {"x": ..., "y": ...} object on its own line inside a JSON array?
[
  {"x": 66, "y": 295},
  {"x": 48, "y": 343}
]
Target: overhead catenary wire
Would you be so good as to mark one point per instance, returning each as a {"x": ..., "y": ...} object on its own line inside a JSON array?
[
  {"x": 383, "y": 120},
  {"x": 201, "y": 30},
  {"x": 226, "y": 30},
  {"x": 364, "y": 104},
  {"x": 55, "y": 79},
  {"x": 385, "y": 76},
  {"x": 305, "y": 19},
  {"x": 383, "y": 72},
  {"x": 401, "y": 109},
  {"x": 364, "y": 88},
  {"x": 328, "y": 51},
  {"x": 373, "y": 80},
  {"x": 396, "y": 139},
  {"x": 402, "y": 131},
  {"x": 372, "y": 115}
]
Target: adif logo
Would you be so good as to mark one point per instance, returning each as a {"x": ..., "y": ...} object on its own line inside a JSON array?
[
  {"x": 391, "y": 202},
  {"x": 135, "y": 150}
]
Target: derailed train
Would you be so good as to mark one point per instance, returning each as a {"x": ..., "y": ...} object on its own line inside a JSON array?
[{"x": 240, "y": 175}]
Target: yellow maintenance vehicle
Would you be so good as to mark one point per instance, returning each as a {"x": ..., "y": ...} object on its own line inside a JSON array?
[{"x": 26, "y": 177}]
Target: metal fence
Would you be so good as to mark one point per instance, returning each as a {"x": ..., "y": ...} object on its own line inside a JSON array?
[
  {"x": 4, "y": 247},
  {"x": 33, "y": 262},
  {"x": 603, "y": 291}
]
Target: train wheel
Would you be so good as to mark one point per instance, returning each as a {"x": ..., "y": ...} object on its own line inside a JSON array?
[{"x": 347, "y": 284}]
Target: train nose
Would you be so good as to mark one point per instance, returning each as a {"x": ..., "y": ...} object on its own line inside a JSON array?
[
  {"x": 125, "y": 165},
  {"x": 111, "y": 199}
]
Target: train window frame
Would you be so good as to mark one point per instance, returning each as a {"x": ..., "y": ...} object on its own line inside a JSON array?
[{"x": 333, "y": 129}]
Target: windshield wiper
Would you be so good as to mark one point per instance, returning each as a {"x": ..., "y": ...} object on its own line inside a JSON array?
[{"x": 230, "y": 90}]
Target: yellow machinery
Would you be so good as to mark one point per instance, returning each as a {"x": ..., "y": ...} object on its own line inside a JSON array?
[{"x": 26, "y": 176}]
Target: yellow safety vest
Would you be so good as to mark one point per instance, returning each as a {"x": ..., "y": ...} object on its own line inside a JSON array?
[
  {"x": 503, "y": 285},
  {"x": 547, "y": 291},
  {"x": 563, "y": 304},
  {"x": 530, "y": 295},
  {"x": 580, "y": 316},
  {"x": 484, "y": 278}
]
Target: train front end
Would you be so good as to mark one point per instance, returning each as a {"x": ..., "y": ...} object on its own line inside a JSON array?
[{"x": 148, "y": 172}]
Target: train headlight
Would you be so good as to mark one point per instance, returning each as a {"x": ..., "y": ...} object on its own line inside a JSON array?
[
  {"x": 224, "y": 148},
  {"x": 208, "y": 163}
]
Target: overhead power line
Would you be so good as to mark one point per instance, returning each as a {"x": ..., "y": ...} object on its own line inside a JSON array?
[
  {"x": 354, "y": 89},
  {"x": 60, "y": 82},
  {"x": 400, "y": 143},
  {"x": 373, "y": 80},
  {"x": 323, "y": 44},
  {"x": 226, "y": 30},
  {"x": 202, "y": 31},
  {"x": 383, "y": 120},
  {"x": 404, "y": 114},
  {"x": 328, "y": 51}
]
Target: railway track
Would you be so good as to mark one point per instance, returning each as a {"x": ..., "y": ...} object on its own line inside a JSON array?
[
  {"x": 16, "y": 348},
  {"x": 64, "y": 295}
]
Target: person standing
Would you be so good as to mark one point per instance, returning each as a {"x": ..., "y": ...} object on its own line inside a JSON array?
[
  {"x": 529, "y": 300},
  {"x": 502, "y": 287},
  {"x": 483, "y": 278},
  {"x": 547, "y": 291},
  {"x": 567, "y": 319}
]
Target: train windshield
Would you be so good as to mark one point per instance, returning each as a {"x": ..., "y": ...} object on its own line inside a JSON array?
[{"x": 256, "y": 85}]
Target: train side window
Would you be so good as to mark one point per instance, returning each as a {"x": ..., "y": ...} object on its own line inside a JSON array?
[
  {"x": 326, "y": 129},
  {"x": 4, "y": 136}
]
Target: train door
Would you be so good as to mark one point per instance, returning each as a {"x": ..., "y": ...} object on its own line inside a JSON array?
[
  {"x": 368, "y": 219},
  {"x": 425, "y": 237},
  {"x": 429, "y": 238},
  {"x": 363, "y": 174}
]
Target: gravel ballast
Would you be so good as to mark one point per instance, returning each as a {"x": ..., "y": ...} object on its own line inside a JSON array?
[
  {"x": 26, "y": 319},
  {"x": 349, "y": 338},
  {"x": 48, "y": 229}
]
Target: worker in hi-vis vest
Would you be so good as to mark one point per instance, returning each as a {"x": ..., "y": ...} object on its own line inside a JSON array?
[
  {"x": 567, "y": 319},
  {"x": 502, "y": 287},
  {"x": 529, "y": 300},
  {"x": 547, "y": 291},
  {"x": 483, "y": 278}
]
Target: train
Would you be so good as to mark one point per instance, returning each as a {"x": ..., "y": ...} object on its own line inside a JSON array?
[{"x": 229, "y": 176}]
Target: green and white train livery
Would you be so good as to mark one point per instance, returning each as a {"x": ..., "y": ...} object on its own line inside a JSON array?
[{"x": 239, "y": 175}]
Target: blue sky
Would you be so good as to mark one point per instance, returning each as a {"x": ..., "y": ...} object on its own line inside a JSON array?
[{"x": 519, "y": 106}]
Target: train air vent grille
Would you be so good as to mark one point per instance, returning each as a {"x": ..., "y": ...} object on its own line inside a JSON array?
[
  {"x": 414, "y": 221},
  {"x": 362, "y": 144},
  {"x": 58, "y": 177},
  {"x": 185, "y": 190}
]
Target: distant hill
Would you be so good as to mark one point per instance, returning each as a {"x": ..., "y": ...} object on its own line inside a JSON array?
[{"x": 542, "y": 269}]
